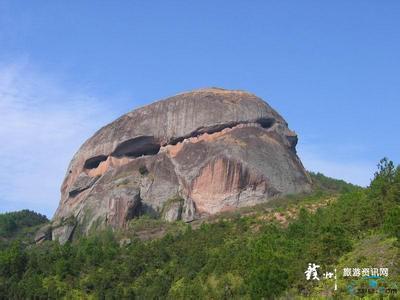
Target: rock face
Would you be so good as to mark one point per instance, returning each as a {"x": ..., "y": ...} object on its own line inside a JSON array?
[{"x": 185, "y": 157}]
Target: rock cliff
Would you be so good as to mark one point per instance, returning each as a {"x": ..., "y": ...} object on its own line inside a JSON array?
[{"x": 185, "y": 157}]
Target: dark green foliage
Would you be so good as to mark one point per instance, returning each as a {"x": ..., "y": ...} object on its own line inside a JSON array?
[
  {"x": 392, "y": 223},
  {"x": 324, "y": 183},
  {"x": 238, "y": 257},
  {"x": 21, "y": 225},
  {"x": 12, "y": 222}
]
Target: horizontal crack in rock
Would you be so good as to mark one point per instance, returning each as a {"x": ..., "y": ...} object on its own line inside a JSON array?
[
  {"x": 148, "y": 145},
  {"x": 264, "y": 122}
]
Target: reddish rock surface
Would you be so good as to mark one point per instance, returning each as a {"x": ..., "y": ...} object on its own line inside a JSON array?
[{"x": 188, "y": 156}]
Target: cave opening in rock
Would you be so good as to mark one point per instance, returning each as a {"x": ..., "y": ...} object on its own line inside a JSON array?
[
  {"x": 175, "y": 141},
  {"x": 266, "y": 122},
  {"x": 94, "y": 162},
  {"x": 203, "y": 130},
  {"x": 136, "y": 147},
  {"x": 217, "y": 128}
]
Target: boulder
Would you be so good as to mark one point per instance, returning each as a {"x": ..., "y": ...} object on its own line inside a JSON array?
[
  {"x": 213, "y": 149},
  {"x": 43, "y": 234},
  {"x": 63, "y": 233},
  {"x": 172, "y": 210}
]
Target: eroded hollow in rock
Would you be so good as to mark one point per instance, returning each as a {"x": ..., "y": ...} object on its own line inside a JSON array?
[
  {"x": 202, "y": 130},
  {"x": 266, "y": 122},
  {"x": 94, "y": 162},
  {"x": 136, "y": 147},
  {"x": 148, "y": 145}
]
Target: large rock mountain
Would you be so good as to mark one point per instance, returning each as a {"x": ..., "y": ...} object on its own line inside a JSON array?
[{"x": 185, "y": 157}]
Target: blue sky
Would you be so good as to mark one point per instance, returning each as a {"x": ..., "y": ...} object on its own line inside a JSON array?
[{"x": 331, "y": 68}]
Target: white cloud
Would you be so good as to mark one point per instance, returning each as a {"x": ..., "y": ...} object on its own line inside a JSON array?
[
  {"x": 352, "y": 170},
  {"x": 42, "y": 124}
]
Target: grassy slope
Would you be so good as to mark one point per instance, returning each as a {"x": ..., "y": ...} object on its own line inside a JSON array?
[{"x": 279, "y": 210}]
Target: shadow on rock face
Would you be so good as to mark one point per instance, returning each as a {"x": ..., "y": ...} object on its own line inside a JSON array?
[
  {"x": 94, "y": 162},
  {"x": 136, "y": 147}
]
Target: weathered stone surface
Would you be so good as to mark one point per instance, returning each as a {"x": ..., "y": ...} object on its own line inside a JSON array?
[
  {"x": 172, "y": 210},
  {"x": 63, "y": 233},
  {"x": 173, "y": 213},
  {"x": 82, "y": 183},
  {"x": 216, "y": 149},
  {"x": 43, "y": 234}
]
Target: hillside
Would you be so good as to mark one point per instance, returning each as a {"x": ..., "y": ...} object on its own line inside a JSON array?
[
  {"x": 20, "y": 225},
  {"x": 248, "y": 254}
]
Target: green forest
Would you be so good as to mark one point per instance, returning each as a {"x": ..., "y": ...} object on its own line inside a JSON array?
[{"x": 255, "y": 253}]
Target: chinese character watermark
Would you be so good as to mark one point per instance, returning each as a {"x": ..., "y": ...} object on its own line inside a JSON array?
[
  {"x": 312, "y": 274},
  {"x": 365, "y": 272}
]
